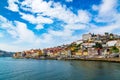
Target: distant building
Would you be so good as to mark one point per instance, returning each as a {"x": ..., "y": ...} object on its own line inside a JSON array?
[
  {"x": 92, "y": 51},
  {"x": 79, "y": 42},
  {"x": 86, "y": 37},
  {"x": 111, "y": 43},
  {"x": 118, "y": 43},
  {"x": 69, "y": 53},
  {"x": 116, "y": 36},
  {"x": 87, "y": 45}
]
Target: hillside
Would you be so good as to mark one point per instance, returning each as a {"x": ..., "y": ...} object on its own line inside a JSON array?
[{"x": 6, "y": 54}]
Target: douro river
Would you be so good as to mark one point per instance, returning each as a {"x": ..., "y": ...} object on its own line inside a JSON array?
[{"x": 29, "y": 69}]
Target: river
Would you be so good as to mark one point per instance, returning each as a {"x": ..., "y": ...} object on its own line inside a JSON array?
[{"x": 29, "y": 69}]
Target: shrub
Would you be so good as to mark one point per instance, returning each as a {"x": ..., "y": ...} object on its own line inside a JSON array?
[{"x": 114, "y": 49}]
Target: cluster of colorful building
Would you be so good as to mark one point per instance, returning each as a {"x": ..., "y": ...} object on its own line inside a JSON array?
[{"x": 91, "y": 45}]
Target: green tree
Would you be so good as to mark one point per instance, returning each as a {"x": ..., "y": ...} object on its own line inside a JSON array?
[
  {"x": 98, "y": 45},
  {"x": 106, "y": 33},
  {"x": 114, "y": 49}
]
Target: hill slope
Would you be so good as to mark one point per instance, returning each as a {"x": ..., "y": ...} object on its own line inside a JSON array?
[{"x": 6, "y": 54}]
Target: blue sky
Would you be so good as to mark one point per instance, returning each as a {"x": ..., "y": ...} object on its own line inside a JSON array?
[{"x": 27, "y": 24}]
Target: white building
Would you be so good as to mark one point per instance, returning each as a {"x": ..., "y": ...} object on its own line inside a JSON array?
[
  {"x": 79, "y": 42},
  {"x": 86, "y": 36},
  {"x": 118, "y": 43},
  {"x": 87, "y": 45},
  {"x": 111, "y": 43}
]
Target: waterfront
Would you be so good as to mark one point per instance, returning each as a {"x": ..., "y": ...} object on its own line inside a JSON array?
[{"x": 30, "y": 69}]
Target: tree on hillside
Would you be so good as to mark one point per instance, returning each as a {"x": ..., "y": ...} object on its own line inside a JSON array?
[
  {"x": 98, "y": 45},
  {"x": 114, "y": 49}
]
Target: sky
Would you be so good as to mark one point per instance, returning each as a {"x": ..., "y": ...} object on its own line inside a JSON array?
[{"x": 34, "y": 24}]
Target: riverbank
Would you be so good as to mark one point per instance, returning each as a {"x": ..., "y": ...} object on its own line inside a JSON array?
[{"x": 117, "y": 60}]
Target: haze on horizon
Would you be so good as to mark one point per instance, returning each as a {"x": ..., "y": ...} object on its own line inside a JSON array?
[{"x": 27, "y": 24}]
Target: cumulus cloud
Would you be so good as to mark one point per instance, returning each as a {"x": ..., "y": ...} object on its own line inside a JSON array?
[
  {"x": 12, "y": 5},
  {"x": 69, "y": 0},
  {"x": 23, "y": 33},
  {"x": 64, "y": 33},
  {"x": 1, "y": 35},
  {"x": 57, "y": 11},
  {"x": 74, "y": 21},
  {"x": 13, "y": 48},
  {"x": 107, "y": 6},
  {"x": 18, "y": 30},
  {"x": 39, "y": 26},
  {"x": 103, "y": 29},
  {"x": 33, "y": 5},
  {"x": 106, "y": 11},
  {"x": 76, "y": 26},
  {"x": 8, "y": 26},
  {"x": 95, "y": 7},
  {"x": 36, "y": 20},
  {"x": 40, "y": 12}
]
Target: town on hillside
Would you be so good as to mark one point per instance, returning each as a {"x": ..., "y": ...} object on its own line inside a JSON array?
[{"x": 91, "y": 45}]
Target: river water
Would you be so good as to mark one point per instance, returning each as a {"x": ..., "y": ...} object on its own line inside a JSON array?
[{"x": 29, "y": 69}]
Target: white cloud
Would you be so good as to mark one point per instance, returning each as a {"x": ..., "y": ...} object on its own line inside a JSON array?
[
  {"x": 43, "y": 5},
  {"x": 23, "y": 33},
  {"x": 17, "y": 47},
  {"x": 46, "y": 38},
  {"x": 95, "y": 7},
  {"x": 56, "y": 38},
  {"x": 57, "y": 11},
  {"x": 2, "y": 19},
  {"x": 76, "y": 26},
  {"x": 23, "y": 37},
  {"x": 45, "y": 14},
  {"x": 12, "y": 5},
  {"x": 36, "y": 20},
  {"x": 66, "y": 15},
  {"x": 1, "y": 35},
  {"x": 73, "y": 21},
  {"x": 83, "y": 16},
  {"x": 69, "y": 0},
  {"x": 18, "y": 31},
  {"x": 102, "y": 29},
  {"x": 39, "y": 26},
  {"x": 64, "y": 33},
  {"x": 7, "y": 26},
  {"x": 106, "y": 11},
  {"x": 13, "y": 48},
  {"x": 110, "y": 27},
  {"x": 107, "y": 6}
]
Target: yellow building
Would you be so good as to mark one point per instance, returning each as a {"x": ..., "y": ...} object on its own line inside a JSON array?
[
  {"x": 79, "y": 53},
  {"x": 85, "y": 53}
]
